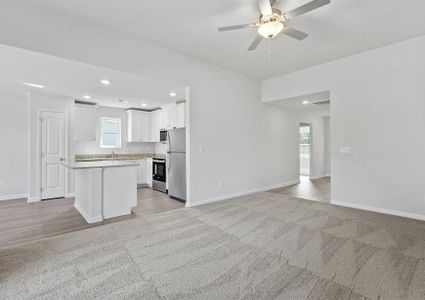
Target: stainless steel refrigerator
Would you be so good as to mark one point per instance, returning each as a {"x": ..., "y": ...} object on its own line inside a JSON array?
[{"x": 176, "y": 144}]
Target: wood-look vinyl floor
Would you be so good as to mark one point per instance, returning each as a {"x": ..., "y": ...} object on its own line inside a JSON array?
[
  {"x": 318, "y": 189},
  {"x": 21, "y": 221}
]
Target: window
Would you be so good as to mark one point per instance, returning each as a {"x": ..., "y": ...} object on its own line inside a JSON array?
[{"x": 110, "y": 133}]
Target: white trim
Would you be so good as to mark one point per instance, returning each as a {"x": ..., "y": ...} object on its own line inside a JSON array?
[
  {"x": 221, "y": 198},
  {"x": 69, "y": 195},
  {"x": 86, "y": 216},
  {"x": 379, "y": 210},
  {"x": 38, "y": 159},
  {"x": 13, "y": 197},
  {"x": 187, "y": 126},
  {"x": 313, "y": 177},
  {"x": 33, "y": 199}
]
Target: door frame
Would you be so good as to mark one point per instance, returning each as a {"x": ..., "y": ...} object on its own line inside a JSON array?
[
  {"x": 310, "y": 125},
  {"x": 39, "y": 136}
]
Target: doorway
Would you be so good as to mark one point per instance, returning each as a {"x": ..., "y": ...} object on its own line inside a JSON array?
[
  {"x": 53, "y": 150},
  {"x": 305, "y": 146}
]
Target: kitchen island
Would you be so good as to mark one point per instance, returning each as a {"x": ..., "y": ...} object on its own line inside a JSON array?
[{"x": 105, "y": 189}]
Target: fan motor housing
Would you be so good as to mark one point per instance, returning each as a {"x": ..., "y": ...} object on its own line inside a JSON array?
[{"x": 275, "y": 16}]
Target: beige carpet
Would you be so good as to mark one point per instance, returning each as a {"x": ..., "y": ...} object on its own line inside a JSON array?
[{"x": 262, "y": 246}]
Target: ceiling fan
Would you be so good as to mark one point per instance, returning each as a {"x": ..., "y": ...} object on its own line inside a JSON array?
[{"x": 273, "y": 21}]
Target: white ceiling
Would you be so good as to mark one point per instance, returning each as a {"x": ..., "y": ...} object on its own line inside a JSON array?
[
  {"x": 343, "y": 28},
  {"x": 296, "y": 103},
  {"x": 74, "y": 79}
]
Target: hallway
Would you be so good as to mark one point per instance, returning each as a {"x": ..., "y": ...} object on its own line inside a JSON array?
[{"x": 317, "y": 190}]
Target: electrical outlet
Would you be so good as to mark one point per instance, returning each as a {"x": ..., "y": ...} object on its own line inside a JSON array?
[
  {"x": 2, "y": 183},
  {"x": 344, "y": 150},
  {"x": 221, "y": 183},
  {"x": 279, "y": 174},
  {"x": 201, "y": 149}
]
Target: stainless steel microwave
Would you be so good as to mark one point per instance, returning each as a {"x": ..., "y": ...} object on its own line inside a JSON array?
[{"x": 163, "y": 136}]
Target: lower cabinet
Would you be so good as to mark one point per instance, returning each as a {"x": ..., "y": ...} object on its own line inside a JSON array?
[
  {"x": 149, "y": 171},
  {"x": 144, "y": 172},
  {"x": 141, "y": 173}
]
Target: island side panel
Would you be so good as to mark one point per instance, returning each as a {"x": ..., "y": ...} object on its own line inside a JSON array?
[
  {"x": 88, "y": 194},
  {"x": 119, "y": 191}
]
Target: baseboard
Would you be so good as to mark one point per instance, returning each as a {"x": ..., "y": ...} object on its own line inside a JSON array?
[
  {"x": 226, "y": 197},
  {"x": 13, "y": 197},
  {"x": 33, "y": 199},
  {"x": 69, "y": 195},
  {"x": 314, "y": 177},
  {"x": 89, "y": 219},
  {"x": 380, "y": 210}
]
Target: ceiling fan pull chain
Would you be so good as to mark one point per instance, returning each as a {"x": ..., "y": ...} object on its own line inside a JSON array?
[{"x": 270, "y": 50}]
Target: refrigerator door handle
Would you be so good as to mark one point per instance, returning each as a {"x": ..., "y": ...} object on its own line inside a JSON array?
[{"x": 168, "y": 142}]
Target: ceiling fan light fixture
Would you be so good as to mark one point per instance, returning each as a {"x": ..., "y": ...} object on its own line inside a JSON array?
[{"x": 270, "y": 29}]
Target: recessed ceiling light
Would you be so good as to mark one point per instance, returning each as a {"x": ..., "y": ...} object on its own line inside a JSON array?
[
  {"x": 173, "y": 94},
  {"x": 105, "y": 82},
  {"x": 144, "y": 104},
  {"x": 39, "y": 86},
  {"x": 123, "y": 101},
  {"x": 87, "y": 97},
  {"x": 305, "y": 102}
]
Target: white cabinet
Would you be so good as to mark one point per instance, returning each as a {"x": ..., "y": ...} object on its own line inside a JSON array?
[
  {"x": 149, "y": 171},
  {"x": 156, "y": 124},
  {"x": 180, "y": 115},
  {"x": 139, "y": 126},
  {"x": 165, "y": 117},
  {"x": 145, "y": 126},
  {"x": 85, "y": 123},
  {"x": 142, "y": 172},
  {"x": 169, "y": 113}
]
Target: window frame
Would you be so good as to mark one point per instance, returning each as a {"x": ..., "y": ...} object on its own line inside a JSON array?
[{"x": 119, "y": 145}]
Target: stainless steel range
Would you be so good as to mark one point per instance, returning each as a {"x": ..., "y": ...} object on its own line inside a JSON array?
[{"x": 159, "y": 177}]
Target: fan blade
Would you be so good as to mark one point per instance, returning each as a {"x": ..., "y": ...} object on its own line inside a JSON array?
[
  {"x": 307, "y": 8},
  {"x": 265, "y": 7},
  {"x": 255, "y": 43},
  {"x": 236, "y": 27},
  {"x": 294, "y": 33}
]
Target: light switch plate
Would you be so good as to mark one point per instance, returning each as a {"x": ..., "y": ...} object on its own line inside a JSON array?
[
  {"x": 2, "y": 183},
  {"x": 344, "y": 149}
]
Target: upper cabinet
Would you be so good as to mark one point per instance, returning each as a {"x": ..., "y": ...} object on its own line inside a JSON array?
[
  {"x": 180, "y": 115},
  {"x": 85, "y": 123},
  {"x": 156, "y": 124},
  {"x": 145, "y": 126},
  {"x": 139, "y": 126},
  {"x": 173, "y": 115}
]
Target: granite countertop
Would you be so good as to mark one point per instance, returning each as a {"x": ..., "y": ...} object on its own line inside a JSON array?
[
  {"x": 116, "y": 157},
  {"x": 102, "y": 164}
]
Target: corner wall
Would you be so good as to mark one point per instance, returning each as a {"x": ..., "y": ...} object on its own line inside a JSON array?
[
  {"x": 13, "y": 146},
  {"x": 378, "y": 112}
]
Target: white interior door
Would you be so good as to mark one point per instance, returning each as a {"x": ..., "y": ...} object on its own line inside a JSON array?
[{"x": 52, "y": 153}]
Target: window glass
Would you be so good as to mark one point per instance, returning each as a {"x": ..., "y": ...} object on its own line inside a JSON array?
[{"x": 110, "y": 133}]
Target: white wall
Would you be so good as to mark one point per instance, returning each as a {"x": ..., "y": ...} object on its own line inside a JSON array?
[
  {"x": 45, "y": 102},
  {"x": 13, "y": 146},
  {"x": 328, "y": 145},
  {"x": 378, "y": 111},
  {"x": 237, "y": 134},
  {"x": 93, "y": 147}
]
